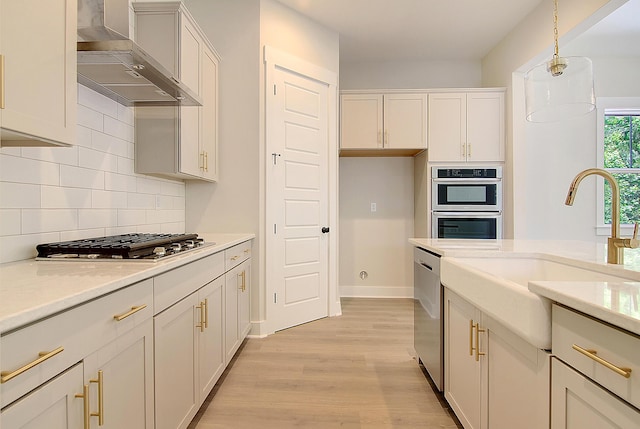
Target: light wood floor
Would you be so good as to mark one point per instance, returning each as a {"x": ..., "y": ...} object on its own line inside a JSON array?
[{"x": 352, "y": 371}]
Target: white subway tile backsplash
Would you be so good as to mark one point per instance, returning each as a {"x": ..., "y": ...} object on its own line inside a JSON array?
[
  {"x": 118, "y": 129},
  {"x": 141, "y": 201},
  {"x": 119, "y": 182},
  {"x": 96, "y": 101},
  {"x": 19, "y": 195},
  {"x": 55, "y": 197},
  {"x": 96, "y": 160},
  {"x": 36, "y": 221},
  {"x": 129, "y": 217},
  {"x": 109, "y": 144},
  {"x": 97, "y": 218},
  {"x": 108, "y": 199},
  {"x": 90, "y": 118},
  {"x": 82, "y": 233},
  {"x": 148, "y": 186},
  {"x": 76, "y": 177},
  {"x": 17, "y": 247},
  {"x": 59, "y": 155},
  {"x": 10, "y": 222},
  {"x": 24, "y": 170},
  {"x": 89, "y": 190}
]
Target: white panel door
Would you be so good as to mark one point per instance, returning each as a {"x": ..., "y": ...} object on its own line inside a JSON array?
[{"x": 297, "y": 135}]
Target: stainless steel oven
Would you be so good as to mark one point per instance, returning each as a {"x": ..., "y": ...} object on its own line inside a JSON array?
[{"x": 466, "y": 202}]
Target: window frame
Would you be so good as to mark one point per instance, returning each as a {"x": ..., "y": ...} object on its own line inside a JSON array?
[{"x": 607, "y": 106}]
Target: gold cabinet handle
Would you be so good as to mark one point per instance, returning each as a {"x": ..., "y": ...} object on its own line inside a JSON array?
[
  {"x": 243, "y": 285},
  {"x": 478, "y": 352},
  {"x": 468, "y": 150},
  {"x": 471, "y": 326},
  {"x": 100, "y": 413},
  {"x": 202, "y": 308},
  {"x": 386, "y": 139},
  {"x": 206, "y": 161},
  {"x": 592, "y": 354},
  {"x": 8, "y": 375},
  {"x": 133, "y": 310},
  {"x": 201, "y": 160},
  {"x": 1, "y": 81},
  {"x": 248, "y": 250},
  {"x": 206, "y": 313},
  {"x": 379, "y": 138},
  {"x": 85, "y": 405}
]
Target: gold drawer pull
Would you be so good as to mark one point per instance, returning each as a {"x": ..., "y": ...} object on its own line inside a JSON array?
[
  {"x": 100, "y": 413},
  {"x": 8, "y": 375},
  {"x": 133, "y": 310},
  {"x": 233, "y": 258},
  {"x": 471, "y": 348},
  {"x": 592, "y": 354}
]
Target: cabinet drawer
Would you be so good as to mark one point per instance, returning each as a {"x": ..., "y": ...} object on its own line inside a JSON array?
[
  {"x": 237, "y": 254},
  {"x": 172, "y": 286},
  {"x": 575, "y": 334},
  {"x": 68, "y": 337}
]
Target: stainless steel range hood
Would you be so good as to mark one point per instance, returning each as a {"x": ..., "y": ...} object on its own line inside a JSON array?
[{"x": 113, "y": 65}]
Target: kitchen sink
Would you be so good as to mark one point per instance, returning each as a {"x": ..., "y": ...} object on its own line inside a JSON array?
[{"x": 497, "y": 285}]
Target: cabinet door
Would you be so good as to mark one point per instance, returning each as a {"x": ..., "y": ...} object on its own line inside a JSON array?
[
  {"x": 485, "y": 126},
  {"x": 52, "y": 405},
  {"x": 405, "y": 120},
  {"x": 120, "y": 376},
  {"x": 578, "y": 403},
  {"x": 361, "y": 121},
  {"x": 231, "y": 337},
  {"x": 176, "y": 398},
  {"x": 210, "y": 338},
  {"x": 189, "y": 156},
  {"x": 209, "y": 116},
  {"x": 38, "y": 46},
  {"x": 244, "y": 299},
  {"x": 463, "y": 373},
  {"x": 447, "y": 127},
  {"x": 190, "y": 63}
]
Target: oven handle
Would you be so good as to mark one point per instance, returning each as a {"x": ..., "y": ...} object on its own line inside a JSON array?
[{"x": 467, "y": 181}]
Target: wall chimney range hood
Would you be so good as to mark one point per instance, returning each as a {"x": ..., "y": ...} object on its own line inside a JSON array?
[{"x": 115, "y": 66}]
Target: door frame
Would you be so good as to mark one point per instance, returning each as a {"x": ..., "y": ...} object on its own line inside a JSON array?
[{"x": 274, "y": 58}]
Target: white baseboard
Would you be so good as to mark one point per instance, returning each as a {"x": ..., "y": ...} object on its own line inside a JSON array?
[{"x": 376, "y": 291}]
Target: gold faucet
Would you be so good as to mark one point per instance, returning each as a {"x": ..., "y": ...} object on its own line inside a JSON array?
[{"x": 615, "y": 244}]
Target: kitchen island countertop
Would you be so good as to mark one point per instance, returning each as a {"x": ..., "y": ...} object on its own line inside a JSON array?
[
  {"x": 31, "y": 290},
  {"x": 614, "y": 302}
]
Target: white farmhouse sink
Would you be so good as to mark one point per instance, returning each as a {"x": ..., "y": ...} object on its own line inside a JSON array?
[{"x": 498, "y": 287}]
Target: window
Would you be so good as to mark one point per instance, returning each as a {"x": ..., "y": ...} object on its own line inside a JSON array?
[{"x": 621, "y": 156}]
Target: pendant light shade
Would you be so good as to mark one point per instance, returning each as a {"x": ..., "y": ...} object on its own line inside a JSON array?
[
  {"x": 551, "y": 98},
  {"x": 561, "y": 88}
]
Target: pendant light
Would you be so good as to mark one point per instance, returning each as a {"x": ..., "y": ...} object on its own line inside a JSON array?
[{"x": 561, "y": 88}]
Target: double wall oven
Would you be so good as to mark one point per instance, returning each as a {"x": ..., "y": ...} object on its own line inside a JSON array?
[{"x": 466, "y": 202}]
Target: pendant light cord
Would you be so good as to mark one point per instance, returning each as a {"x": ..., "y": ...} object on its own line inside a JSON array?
[{"x": 555, "y": 28}]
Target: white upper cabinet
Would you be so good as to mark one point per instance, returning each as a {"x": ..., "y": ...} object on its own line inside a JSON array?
[
  {"x": 390, "y": 122},
  {"x": 466, "y": 126},
  {"x": 38, "y": 90},
  {"x": 178, "y": 142}
]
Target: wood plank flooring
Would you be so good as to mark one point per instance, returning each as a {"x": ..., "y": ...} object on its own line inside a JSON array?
[{"x": 352, "y": 371}]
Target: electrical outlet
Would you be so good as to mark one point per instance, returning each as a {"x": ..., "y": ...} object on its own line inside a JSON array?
[{"x": 373, "y": 207}]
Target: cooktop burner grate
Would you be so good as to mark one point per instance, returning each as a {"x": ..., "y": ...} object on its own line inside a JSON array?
[{"x": 125, "y": 246}]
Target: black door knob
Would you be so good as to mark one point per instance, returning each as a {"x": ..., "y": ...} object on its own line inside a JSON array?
[{"x": 325, "y": 229}]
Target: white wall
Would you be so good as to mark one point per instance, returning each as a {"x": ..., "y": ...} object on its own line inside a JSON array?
[
  {"x": 409, "y": 74},
  {"x": 531, "y": 42},
  {"x": 88, "y": 190},
  {"x": 376, "y": 242}
]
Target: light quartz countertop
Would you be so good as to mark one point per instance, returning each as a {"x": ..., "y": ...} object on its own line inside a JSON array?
[
  {"x": 31, "y": 290},
  {"x": 617, "y": 303}
]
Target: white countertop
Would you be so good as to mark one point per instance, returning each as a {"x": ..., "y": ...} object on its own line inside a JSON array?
[
  {"x": 617, "y": 303},
  {"x": 31, "y": 290}
]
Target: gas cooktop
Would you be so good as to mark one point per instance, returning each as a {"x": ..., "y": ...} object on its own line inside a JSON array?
[{"x": 146, "y": 247}]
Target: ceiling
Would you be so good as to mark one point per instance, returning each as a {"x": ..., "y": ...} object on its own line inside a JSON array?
[{"x": 410, "y": 30}]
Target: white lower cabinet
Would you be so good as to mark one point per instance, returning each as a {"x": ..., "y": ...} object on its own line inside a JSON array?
[
  {"x": 53, "y": 405},
  {"x": 595, "y": 373},
  {"x": 579, "y": 403},
  {"x": 189, "y": 354},
  {"x": 237, "y": 301},
  {"x": 493, "y": 378},
  {"x": 97, "y": 370}
]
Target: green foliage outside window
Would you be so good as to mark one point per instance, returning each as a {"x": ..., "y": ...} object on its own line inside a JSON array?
[{"x": 622, "y": 151}]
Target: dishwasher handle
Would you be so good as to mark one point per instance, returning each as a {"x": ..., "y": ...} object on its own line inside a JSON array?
[{"x": 430, "y": 268}]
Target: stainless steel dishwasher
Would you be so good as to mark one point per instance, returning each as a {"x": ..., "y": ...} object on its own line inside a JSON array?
[{"x": 427, "y": 313}]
